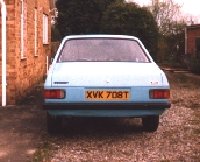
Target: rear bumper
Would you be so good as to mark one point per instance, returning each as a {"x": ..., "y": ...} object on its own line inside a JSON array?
[
  {"x": 109, "y": 106},
  {"x": 106, "y": 110}
]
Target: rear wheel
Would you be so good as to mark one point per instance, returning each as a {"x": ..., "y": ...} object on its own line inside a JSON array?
[
  {"x": 150, "y": 123},
  {"x": 54, "y": 124}
]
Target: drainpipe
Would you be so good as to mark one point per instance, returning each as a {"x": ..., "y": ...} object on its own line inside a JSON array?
[
  {"x": 3, "y": 52},
  {"x": 47, "y": 64}
]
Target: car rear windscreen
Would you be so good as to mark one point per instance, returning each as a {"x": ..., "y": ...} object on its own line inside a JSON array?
[{"x": 102, "y": 50}]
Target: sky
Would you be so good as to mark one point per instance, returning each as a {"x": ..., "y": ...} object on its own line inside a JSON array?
[{"x": 189, "y": 7}]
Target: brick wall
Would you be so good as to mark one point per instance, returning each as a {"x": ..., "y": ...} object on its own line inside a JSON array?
[
  {"x": 24, "y": 73},
  {"x": 192, "y": 33},
  {"x": 10, "y": 50}
]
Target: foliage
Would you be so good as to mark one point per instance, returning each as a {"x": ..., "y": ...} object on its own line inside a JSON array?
[
  {"x": 103, "y": 4},
  {"x": 77, "y": 17},
  {"x": 130, "y": 19},
  {"x": 171, "y": 47},
  {"x": 107, "y": 17},
  {"x": 171, "y": 44},
  {"x": 166, "y": 13},
  {"x": 81, "y": 17}
]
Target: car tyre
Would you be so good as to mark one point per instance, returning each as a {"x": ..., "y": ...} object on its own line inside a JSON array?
[
  {"x": 54, "y": 124},
  {"x": 150, "y": 123}
]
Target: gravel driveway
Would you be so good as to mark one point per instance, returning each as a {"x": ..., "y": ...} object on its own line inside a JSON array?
[
  {"x": 23, "y": 133},
  {"x": 117, "y": 140}
]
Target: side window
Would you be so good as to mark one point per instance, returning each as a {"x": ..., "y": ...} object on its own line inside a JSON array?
[{"x": 45, "y": 29}]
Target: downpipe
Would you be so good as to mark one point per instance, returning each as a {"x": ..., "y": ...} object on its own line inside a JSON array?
[{"x": 4, "y": 51}]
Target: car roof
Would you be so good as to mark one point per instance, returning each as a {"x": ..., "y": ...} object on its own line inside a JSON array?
[{"x": 101, "y": 36}]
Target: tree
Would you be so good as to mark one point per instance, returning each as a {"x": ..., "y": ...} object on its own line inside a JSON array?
[
  {"x": 130, "y": 19},
  {"x": 103, "y": 4},
  {"x": 107, "y": 17},
  {"x": 171, "y": 30},
  {"x": 77, "y": 17},
  {"x": 176, "y": 42},
  {"x": 81, "y": 17},
  {"x": 165, "y": 12}
]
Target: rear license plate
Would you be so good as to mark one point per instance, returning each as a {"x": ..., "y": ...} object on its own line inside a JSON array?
[{"x": 103, "y": 95}]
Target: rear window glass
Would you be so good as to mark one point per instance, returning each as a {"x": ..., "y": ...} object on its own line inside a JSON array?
[{"x": 102, "y": 50}]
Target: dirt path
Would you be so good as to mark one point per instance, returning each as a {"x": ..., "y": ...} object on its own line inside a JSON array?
[{"x": 21, "y": 128}]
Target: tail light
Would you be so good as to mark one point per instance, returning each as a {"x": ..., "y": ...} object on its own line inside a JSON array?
[
  {"x": 159, "y": 94},
  {"x": 54, "y": 94}
]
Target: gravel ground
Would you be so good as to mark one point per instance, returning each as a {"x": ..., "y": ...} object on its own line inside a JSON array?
[
  {"x": 23, "y": 134},
  {"x": 122, "y": 140}
]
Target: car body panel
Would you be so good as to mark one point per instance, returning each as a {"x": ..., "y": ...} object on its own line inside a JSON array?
[
  {"x": 75, "y": 78},
  {"x": 77, "y": 94},
  {"x": 106, "y": 74},
  {"x": 106, "y": 113}
]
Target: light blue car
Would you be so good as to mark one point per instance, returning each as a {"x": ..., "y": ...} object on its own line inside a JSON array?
[{"x": 105, "y": 76}]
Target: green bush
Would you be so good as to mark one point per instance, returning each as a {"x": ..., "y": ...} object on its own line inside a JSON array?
[{"x": 130, "y": 19}]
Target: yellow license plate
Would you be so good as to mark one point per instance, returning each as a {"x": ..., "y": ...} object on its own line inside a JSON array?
[{"x": 103, "y": 95}]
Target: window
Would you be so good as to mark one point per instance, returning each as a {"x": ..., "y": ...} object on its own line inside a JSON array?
[
  {"x": 35, "y": 26},
  {"x": 102, "y": 50},
  {"x": 22, "y": 29},
  {"x": 45, "y": 29}
]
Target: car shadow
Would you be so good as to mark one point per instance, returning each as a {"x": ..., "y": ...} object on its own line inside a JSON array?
[{"x": 100, "y": 127}]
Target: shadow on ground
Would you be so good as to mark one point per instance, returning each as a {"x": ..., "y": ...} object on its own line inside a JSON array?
[
  {"x": 21, "y": 129},
  {"x": 99, "y": 127}
]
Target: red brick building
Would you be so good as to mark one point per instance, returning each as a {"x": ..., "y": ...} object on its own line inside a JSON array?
[
  {"x": 192, "y": 36},
  {"x": 28, "y": 45}
]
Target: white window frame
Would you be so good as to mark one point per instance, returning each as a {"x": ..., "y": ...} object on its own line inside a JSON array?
[
  {"x": 22, "y": 29},
  {"x": 45, "y": 29},
  {"x": 36, "y": 30}
]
